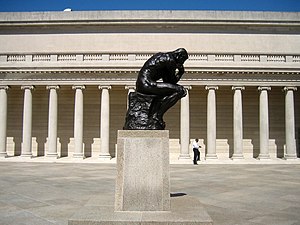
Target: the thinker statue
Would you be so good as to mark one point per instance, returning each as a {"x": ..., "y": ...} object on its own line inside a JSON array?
[{"x": 153, "y": 97}]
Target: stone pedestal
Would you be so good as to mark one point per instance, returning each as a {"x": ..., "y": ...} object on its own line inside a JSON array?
[
  {"x": 142, "y": 195},
  {"x": 142, "y": 171}
]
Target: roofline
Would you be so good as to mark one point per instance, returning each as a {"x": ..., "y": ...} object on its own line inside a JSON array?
[{"x": 148, "y": 16}]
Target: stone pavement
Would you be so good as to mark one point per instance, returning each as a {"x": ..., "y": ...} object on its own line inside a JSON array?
[{"x": 34, "y": 193}]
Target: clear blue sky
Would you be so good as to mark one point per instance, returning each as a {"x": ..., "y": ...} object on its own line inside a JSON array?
[{"x": 79, "y": 5}]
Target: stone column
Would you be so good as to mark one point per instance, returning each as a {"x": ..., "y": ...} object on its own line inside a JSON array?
[
  {"x": 104, "y": 129},
  {"x": 130, "y": 88},
  {"x": 3, "y": 120},
  {"x": 185, "y": 126},
  {"x": 26, "y": 150},
  {"x": 211, "y": 123},
  {"x": 237, "y": 123},
  {"x": 52, "y": 121},
  {"x": 78, "y": 122},
  {"x": 290, "y": 151},
  {"x": 264, "y": 123}
]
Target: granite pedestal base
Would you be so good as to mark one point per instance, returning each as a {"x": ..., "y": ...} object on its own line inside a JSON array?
[{"x": 185, "y": 210}]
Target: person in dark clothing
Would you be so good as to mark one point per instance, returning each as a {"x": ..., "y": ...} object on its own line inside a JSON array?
[{"x": 196, "y": 151}]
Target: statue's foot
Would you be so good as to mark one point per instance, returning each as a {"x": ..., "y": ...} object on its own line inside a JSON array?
[{"x": 159, "y": 121}]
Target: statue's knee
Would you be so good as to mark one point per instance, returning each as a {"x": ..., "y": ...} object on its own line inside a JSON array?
[
  {"x": 181, "y": 91},
  {"x": 184, "y": 92}
]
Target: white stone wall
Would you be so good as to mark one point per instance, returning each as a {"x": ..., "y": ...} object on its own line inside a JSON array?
[{"x": 150, "y": 42}]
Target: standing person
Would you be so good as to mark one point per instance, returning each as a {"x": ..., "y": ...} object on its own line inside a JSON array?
[{"x": 196, "y": 151}]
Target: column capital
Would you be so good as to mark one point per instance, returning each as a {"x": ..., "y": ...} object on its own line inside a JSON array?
[
  {"x": 31, "y": 87},
  {"x": 100, "y": 87},
  {"x": 211, "y": 87},
  {"x": 238, "y": 88},
  {"x": 5, "y": 87},
  {"x": 74, "y": 87},
  {"x": 289, "y": 88},
  {"x": 127, "y": 87},
  {"x": 52, "y": 87},
  {"x": 188, "y": 87},
  {"x": 264, "y": 88}
]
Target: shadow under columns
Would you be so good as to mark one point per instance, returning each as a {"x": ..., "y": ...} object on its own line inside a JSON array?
[
  {"x": 88, "y": 147},
  {"x": 41, "y": 142},
  {"x": 64, "y": 142},
  {"x": 297, "y": 142},
  {"x": 255, "y": 143},
  {"x": 231, "y": 147},
  {"x": 280, "y": 147},
  {"x": 18, "y": 146}
]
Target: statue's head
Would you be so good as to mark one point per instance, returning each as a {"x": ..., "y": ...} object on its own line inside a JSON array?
[{"x": 181, "y": 55}]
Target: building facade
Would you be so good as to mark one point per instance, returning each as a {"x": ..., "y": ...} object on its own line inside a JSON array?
[{"x": 65, "y": 77}]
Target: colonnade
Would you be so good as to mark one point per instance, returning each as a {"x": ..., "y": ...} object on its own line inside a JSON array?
[
  {"x": 26, "y": 148},
  {"x": 290, "y": 150}
]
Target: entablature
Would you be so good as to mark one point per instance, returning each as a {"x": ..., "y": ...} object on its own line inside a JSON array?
[
  {"x": 122, "y": 68},
  {"x": 133, "y": 61}
]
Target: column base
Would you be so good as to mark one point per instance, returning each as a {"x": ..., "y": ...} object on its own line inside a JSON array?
[
  {"x": 290, "y": 157},
  {"x": 3, "y": 155},
  {"x": 52, "y": 155},
  {"x": 78, "y": 156},
  {"x": 263, "y": 157},
  {"x": 105, "y": 157},
  {"x": 237, "y": 156},
  {"x": 26, "y": 155},
  {"x": 184, "y": 157},
  {"x": 211, "y": 157}
]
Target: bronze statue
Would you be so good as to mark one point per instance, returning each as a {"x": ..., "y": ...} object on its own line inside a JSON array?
[{"x": 153, "y": 98}]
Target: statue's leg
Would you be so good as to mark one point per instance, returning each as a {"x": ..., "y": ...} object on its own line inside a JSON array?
[
  {"x": 164, "y": 104},
  {"x": 168, "y": 101},
  {"x": 167, "y": 96}
]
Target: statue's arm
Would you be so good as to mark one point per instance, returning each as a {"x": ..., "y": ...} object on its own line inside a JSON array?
[
  {"x": 175, "y": 71},
  {"x": 180, "y": 72}
]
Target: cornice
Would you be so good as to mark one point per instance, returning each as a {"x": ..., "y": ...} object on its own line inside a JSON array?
[
  {"x": 84, "y": 72},
  {"x": 148, "y": 15},
  {"x": 187, "y": 78},
  {"x": 131, "y": 82},
  {"x": 154, "y": 20}
]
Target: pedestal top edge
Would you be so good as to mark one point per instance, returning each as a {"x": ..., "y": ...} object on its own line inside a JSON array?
[{"x": 143, "y": 133}]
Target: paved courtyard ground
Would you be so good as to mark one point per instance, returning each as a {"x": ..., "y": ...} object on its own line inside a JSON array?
[{"x": 50, "y": 193}]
